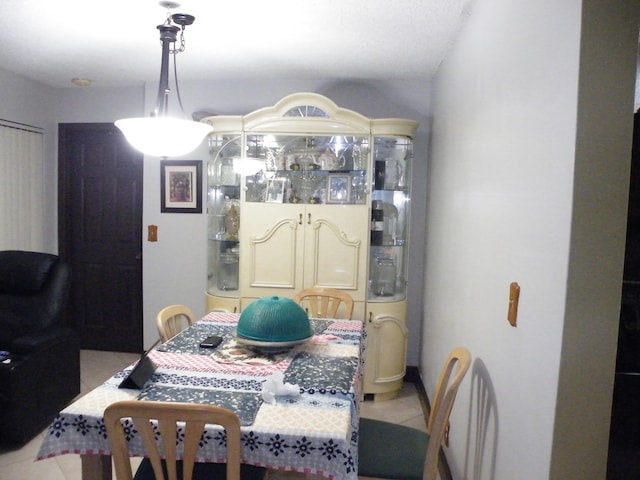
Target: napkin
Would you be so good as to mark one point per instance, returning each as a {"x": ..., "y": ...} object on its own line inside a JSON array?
[
  {"x": 274, "y": 387},
  {"x": 323, "y": 339}
]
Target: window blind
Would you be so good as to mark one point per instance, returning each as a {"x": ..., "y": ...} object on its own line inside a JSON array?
[{"x": 21, "y": 188}]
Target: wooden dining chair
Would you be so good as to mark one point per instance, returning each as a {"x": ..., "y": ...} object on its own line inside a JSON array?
[
  {"x": 325, "y": 302},
  {"x": 163, "y": 463},
  {"x": 171, "y": 320},
  {"x": 387, "y": 450}
]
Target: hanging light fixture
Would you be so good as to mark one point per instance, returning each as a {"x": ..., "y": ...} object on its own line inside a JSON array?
[{"x": 160, "y": 135}]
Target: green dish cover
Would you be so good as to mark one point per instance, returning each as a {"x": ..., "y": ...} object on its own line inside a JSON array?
[{"x": 274, "y": 319}]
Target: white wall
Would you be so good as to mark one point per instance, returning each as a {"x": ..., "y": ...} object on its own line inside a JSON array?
[{"x": 515, "y": 197}]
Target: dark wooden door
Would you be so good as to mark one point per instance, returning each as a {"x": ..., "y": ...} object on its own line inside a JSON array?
[{"x": 100, "y": 234}]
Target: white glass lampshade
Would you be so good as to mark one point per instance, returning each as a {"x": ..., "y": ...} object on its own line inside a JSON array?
[
  {"x": 247, "y": 166},
  {"x": 163, "y": 136}
]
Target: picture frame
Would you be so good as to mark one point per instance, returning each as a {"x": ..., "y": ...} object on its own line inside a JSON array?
[
  {"x": 181, "y": 186},
  {"x": 275, "y": 190},
  {"x": 338, "y": 188}
]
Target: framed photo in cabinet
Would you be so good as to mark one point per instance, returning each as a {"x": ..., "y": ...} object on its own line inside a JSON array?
[
  {"x": 275, "y": 190},
  {"x": 181, "y": 186},
  {"x": 338, "y": 188}
]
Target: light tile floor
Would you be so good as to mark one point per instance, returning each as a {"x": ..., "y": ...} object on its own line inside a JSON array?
[{"x": 97, "y": 366}]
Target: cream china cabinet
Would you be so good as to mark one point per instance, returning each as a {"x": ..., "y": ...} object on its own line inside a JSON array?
[{"x": 305, "y": 193}]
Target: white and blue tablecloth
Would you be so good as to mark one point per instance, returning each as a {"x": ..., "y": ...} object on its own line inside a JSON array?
[{"x": 315, "y": 432}]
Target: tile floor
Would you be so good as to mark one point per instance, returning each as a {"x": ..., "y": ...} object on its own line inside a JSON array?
[{"x": 96, "y": 367}]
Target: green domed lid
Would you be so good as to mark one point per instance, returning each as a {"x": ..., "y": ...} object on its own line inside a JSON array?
[{"x": 274, "y": 319}]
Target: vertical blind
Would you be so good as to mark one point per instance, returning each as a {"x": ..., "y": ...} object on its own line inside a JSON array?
[{"x": 21, "y": 188}]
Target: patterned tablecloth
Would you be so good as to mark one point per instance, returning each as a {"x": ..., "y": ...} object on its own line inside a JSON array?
[{"x": 315, "y": 432}]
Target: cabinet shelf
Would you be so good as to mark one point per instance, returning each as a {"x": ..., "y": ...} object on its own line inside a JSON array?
[
  {"x": 308, "y": 187},
  {"x": 397, "y": 243},
  {"x": 232, "y": 243},
  {"x": 386, "y": 298},
  {"x": 318, "y": 171},
  {"x": 394, "y": 190}
]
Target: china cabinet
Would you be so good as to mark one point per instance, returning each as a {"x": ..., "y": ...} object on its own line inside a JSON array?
[{"x": 306, "y": 193}]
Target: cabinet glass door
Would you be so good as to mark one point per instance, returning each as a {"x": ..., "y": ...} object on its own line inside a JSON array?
[
  {"x": 390, "y": 218},
  {"x": 223, "y": 215},
  {"x": 308, "y": 169}
]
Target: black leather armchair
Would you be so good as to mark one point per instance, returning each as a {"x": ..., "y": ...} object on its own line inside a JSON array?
[{"x": 42, "y": 372}]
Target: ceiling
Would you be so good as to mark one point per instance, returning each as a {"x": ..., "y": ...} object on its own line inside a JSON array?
[{"x": 118, "y": 44}]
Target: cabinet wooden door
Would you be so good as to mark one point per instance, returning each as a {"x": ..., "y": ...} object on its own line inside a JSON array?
[
  {"x": 271, "y": 249},
  {"x": 335, "y": 254},
  {"x": 287, "y": 247},
  {"x": 386, "y": 349}
]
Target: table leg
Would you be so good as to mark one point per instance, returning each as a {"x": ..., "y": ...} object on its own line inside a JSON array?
[{"x": 96, "y": 467}]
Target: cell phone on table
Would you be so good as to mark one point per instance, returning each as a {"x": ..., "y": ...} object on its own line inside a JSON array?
[{"x": 211, "y": 342}]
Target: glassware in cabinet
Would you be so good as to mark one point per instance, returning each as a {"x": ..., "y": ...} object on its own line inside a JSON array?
[
  {"x": 392, "y": 157},
  {"x": 225, "y": 152},
  {"x": 308, "y": 169}
]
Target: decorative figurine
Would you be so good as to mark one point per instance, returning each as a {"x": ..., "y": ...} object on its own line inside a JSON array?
[{"x": 232, "y": 223}]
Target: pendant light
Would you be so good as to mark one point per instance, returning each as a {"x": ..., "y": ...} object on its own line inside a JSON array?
[{"x": 160, "y": 135}]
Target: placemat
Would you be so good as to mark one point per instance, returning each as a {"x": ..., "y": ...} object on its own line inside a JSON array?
[
  {"x": 245, "y": 405},
  {"x": 311, "y": 371},
  {"x": 319, "y": 325}
]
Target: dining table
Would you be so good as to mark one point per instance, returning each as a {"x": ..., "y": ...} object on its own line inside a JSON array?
[{"x": 298, "y": 403}]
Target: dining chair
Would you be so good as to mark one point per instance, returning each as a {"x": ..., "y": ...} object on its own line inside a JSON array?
[
  {"x": 170, "y": 320},
  {"x": 162, "y": 462},
  {"x": 325, "y": 302},
  {"x": 387, "y": 450}
]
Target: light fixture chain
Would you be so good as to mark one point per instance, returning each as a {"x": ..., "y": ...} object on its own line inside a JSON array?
[{"x": 182, "y": 43}]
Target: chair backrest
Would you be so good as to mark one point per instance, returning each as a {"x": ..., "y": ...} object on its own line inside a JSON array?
[
  {"x": 171, "y": 320},
  {"x": 325, "y": 302},
  {"x": 167, "y": 414},
  {"x": 455, "y": 368}
]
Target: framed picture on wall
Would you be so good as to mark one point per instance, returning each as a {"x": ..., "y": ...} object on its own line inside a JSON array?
[{"x": 180, "y": 186}]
